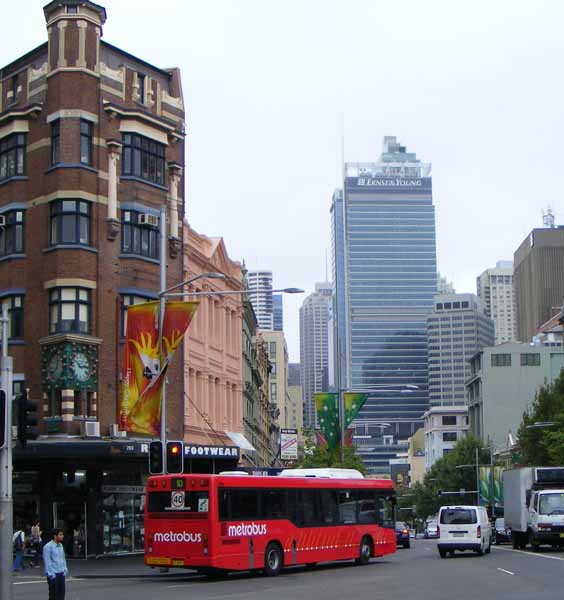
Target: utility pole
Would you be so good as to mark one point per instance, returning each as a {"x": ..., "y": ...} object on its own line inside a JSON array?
[
  {"x": 477, "y": 476},
  {"x": 6, "y": 502}
]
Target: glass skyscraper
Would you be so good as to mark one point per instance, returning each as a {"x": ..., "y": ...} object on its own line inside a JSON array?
[{"x": 384, "y": 257}]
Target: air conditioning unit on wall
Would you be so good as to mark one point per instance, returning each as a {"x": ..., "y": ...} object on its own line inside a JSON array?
[
  {"x": 91, "y": 429},
  {"x": 149, "y": 220},
  {"x": 115, "y": 432}
]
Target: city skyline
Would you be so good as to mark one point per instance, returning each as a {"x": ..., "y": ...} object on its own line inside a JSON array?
[{"x": 311, "y": 103}]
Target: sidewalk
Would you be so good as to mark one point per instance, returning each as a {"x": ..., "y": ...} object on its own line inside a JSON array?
[{"x": 108, "y": 567}]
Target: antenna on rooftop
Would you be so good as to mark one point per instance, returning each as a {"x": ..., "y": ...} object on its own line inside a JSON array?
[{"x": 548, "y": 218}]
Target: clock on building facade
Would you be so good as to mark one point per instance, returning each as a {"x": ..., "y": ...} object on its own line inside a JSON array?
[{"x": 70, "y": 365}]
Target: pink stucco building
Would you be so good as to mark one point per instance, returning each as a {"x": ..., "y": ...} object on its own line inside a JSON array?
[{"x": 212, "y": 347}]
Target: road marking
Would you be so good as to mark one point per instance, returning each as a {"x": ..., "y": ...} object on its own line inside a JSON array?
[
  {"x": 42, "y": 580},
  {"x": 505, "y": 571},
  {"x": 535, "y": 554}
]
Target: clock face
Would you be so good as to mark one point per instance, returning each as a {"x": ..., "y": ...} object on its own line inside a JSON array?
[
  {"x": 81, "y": 366},
  {"x": 55, "y": 366}
]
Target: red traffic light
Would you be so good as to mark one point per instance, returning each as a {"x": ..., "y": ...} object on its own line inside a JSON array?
[{"x": 174, "y": 457}]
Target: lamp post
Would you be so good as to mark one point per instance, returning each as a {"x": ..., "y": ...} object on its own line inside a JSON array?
[{"x": 163, "y": 294}]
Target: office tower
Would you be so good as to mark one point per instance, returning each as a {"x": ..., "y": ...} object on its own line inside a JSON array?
[
  {"x": 456, "y": 329},
  {"x": 277, "y": 312},
  {"x": 384, "y": 256},
  {"x": 495, "y": 288},
  {"x": 314, "y": 349},
  {"x": 538, "y": 279},
  {"x": 260, "y": 295}
]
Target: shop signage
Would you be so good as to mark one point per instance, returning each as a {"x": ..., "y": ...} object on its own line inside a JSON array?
[
  {"x": 195, "y": 450},
  {"x": 289, "y": 444},
  {"x": 123, "y": 489}
]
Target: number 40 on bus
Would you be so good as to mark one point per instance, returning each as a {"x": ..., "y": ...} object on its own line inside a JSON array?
[{"x": 226, "y": 522}]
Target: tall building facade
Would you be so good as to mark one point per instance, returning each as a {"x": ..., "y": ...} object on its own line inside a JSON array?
[
  {"x": 502, "y": 386},
  {"x": 91, "y": 150},
  {"x": 277, "y": 312},
  {"x": 260, "y": 295},
  {"x": 314, "y": 347},
  {"x": 538, "y": 279},
  {"x": 456, "y": 329},
  {"x": 386, "y": 250},
  {"x": 495, "y": 288}
]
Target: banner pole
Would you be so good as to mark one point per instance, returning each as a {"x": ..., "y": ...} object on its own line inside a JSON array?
[{"x": 162, "y": 308}]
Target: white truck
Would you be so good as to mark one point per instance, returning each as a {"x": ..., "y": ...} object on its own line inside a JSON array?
[{"x": 534, "y": 506}]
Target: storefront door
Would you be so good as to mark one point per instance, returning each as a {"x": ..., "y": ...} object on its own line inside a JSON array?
[{"x": 70, "y": 516}]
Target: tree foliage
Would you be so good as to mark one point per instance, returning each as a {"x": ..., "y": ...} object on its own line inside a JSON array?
[
  {"x": 319, "y": 455},
  {"x": 544, "y": 446},
  {"x": 444, "y": 476}
]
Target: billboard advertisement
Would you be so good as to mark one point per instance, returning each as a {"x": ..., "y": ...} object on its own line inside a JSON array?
[{"x": 289, "y": 444}]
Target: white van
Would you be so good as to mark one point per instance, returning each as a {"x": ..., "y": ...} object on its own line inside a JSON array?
[{"x": 464, "y": 528}]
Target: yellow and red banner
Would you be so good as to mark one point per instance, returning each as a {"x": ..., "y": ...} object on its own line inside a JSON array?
[{"x": 144, "y": 368}]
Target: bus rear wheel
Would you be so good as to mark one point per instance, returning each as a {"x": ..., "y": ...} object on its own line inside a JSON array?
[
  {"x": 273, "y": 560},
  {"x": 365, "y": 551}
]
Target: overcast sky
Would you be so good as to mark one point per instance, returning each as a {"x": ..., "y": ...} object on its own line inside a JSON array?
[{"x": 272, "y": 87}]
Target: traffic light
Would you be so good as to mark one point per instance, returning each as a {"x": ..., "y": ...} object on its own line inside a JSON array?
[
  {"x": 27, "y": 419},
  {"x": 174, "y": 457},
  {"x": 3, "y": 411},
  {"x": 156, "y": 458}
]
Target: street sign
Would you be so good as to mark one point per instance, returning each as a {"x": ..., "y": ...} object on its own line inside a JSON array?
[{"x": 289, "y": 444}]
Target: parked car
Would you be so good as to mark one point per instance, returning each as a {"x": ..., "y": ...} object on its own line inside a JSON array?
[
  {"x": 402, "y": 534},
  {"x": 464, "y": 528},
  {"x": 431, "y": 530},
  {"x": 502, "y": 533}
]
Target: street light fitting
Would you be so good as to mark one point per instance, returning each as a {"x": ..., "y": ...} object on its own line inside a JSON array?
[
  {"x": 206, "y": 275},
  {"x": 540, "y": 425},
  {"x": 289, "y": 290}
]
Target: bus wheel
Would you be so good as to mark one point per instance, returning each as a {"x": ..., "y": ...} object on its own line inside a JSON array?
[
  {"x": 365, "y": 551},
  {"x": 273, "y": 560}
]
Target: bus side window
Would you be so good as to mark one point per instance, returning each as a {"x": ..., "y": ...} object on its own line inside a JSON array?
[
  {"x": 366, "y": 507},
  {"x": 306, "y": 508},
  {"x": 347, "y": 506},
  {"x": 244, "y": 504},
  {"x": 329, "y": 507},
  {"x": 273, "y": 504},
  {"x": 223, "y": 505},
  {"x": 386, "y": 511}
]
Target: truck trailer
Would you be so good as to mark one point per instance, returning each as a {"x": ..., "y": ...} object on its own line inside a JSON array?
[{"x": 534, "y": 506}]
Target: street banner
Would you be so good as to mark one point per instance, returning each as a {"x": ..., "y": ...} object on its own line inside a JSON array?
[
  {"x": 327, "y": 406},
  {"x": 144, "y": 368},
  {"x": 353, "y": 403},
  {"x": 486, "y": 485},
  {"x": 289, "y": 444}
]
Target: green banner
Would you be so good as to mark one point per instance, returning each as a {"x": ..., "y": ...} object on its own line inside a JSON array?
[
  {"x": 353, "y": 403},
  {"x": 488, "y": 494},
  {"x": 327, "y": 406}
]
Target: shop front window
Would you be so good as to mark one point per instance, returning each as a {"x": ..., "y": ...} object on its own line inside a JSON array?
[{"x": 123, "y": 504}]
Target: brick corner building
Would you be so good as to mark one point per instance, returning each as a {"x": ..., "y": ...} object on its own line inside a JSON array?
[{"x": 91, "y": 148}]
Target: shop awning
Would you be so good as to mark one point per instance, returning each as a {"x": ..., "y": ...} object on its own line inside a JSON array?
[{"x": 240, "y": 440}]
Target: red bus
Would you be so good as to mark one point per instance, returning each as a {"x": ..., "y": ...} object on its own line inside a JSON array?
[{"x": 215, "y": 523}]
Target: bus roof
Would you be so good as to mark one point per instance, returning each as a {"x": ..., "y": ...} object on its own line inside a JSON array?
[{"x": 323, "y": 472}]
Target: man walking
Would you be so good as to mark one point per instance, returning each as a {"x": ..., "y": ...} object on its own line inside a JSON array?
[
  {"x": 55, "y": 565},
  {"x": 18, "y": 541}
]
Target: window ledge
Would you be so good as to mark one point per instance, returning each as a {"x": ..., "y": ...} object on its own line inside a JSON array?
[
  {"x": 155, "y": 261},
  {"x": 15, "y": 178},
  {"x": 71, "y": 166},
  {"x": 69, "y": 247},
  {"x": 12, "y": 257},
  {"x": 145, "y": 181}
]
